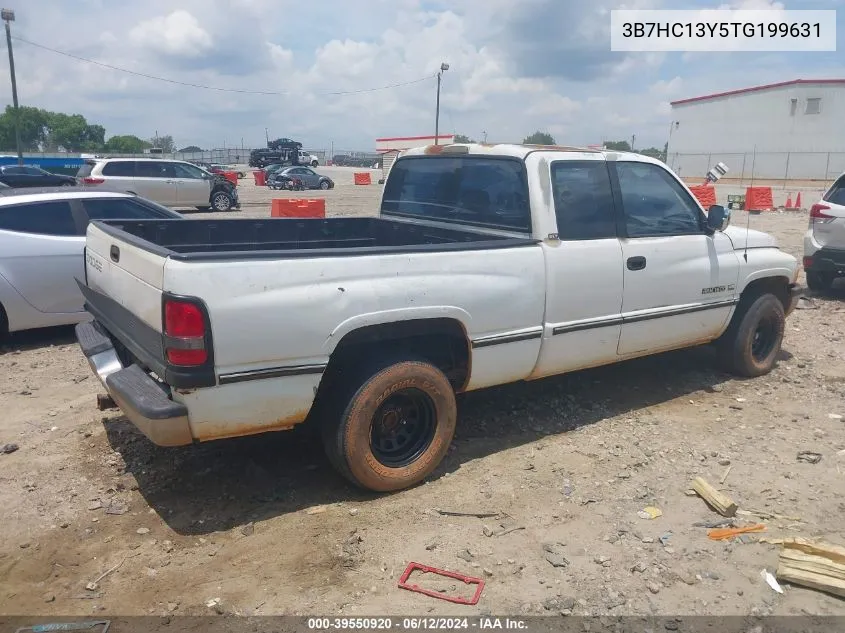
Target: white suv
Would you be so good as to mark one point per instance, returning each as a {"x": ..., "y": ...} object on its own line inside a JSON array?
[
  {"x": 173, "y": 183},
  {"x": 824, "y": 242}
]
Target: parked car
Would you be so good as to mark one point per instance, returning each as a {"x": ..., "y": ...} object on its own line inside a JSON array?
[
  {"x": 824, "y": 242},
  {"x": 173, "y": 183},
  {"x": 216, "y": 168},
  {"x": 487, "y": 265},
  {"x": 42, "y": 237},
  {"x": 30, "y": 176},
  {"x": 260, "y": 158},
  {"x": 310, "y": 178}
]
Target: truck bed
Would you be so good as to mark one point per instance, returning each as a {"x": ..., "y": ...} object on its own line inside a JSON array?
[{"x": 280, "y": 237}]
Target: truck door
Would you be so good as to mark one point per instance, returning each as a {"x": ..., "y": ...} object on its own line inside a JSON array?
[
  {"x": 680, "y": 282},
  {"x": 583, "y": 270}
]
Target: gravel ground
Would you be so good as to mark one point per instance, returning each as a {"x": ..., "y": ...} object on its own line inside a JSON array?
[{"x": 262, "y": 525}]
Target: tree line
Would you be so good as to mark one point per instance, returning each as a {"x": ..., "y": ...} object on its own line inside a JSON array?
[
  {"x": 544, "y": 138},
  {"x": 45, "y": 131}
]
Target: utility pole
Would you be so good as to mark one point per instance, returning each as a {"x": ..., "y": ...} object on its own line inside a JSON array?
[
  {"x": 485, "y": 136},
  {"x": 633, "y": 138},
  {"x": 443, "y": 68},
  {"x": 267, "y": 137},
  {"x": 9, "y": 16}
]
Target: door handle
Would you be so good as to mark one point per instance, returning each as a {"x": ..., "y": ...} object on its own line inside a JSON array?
[
  {"x": 170, "y": 182},
  {"x": 114, "y": 253},
  {"x": 636, "y": 263}
]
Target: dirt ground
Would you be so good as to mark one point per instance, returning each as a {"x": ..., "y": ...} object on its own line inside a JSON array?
[{"x": 263, "y": 525}]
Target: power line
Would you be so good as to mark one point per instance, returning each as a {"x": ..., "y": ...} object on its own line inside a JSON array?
[{"x": 216, "y": 88}]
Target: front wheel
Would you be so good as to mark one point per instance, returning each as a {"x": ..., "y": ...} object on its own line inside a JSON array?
[
  {"x": 324, "y": 185},
  {"x": 394, "y": 428},
  {"x": 819, "y": 282},
  {"x": 752, "y": 342},
  {"x": 222, "y": 201}
]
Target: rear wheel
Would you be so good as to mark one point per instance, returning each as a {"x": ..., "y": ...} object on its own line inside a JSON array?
[
  {"x": 752, "y": 342},
  {"x": 818, "y": 281},
  {"x": 392, "y": 426},
  {"x": 324, "y": 185}
]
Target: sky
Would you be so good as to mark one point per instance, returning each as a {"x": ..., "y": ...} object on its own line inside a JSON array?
[{"x": 516, "y": 66}]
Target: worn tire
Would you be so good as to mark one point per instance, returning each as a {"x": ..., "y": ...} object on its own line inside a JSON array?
[
  {"x": 762, "y": 316},
  {"x": 347, "y": 426},
  {"x": 819, "y": 282}
]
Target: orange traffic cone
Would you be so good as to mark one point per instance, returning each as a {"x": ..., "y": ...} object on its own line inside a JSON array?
[
  {"x": 798, "y": 201},
  {"x": 789, "y": 201}
]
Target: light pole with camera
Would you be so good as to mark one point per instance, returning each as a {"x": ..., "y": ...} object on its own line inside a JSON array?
[
  {"x": 8, "y": 16},
  {"x": 443, "y": 68}
]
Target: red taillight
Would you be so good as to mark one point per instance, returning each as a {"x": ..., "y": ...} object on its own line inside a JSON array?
[
  {"x": 817, "y": 212},
  {"x": 93, "y": 181},
  {"x": 184, "y": 329},
  {"x": 808, "y": 262}
]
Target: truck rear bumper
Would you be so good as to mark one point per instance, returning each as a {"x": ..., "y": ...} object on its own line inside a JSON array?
[{"x": 141, "y": 399}]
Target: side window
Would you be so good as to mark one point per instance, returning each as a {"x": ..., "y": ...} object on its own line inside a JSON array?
[
  {"x": 186, "y": 171},
  {"x": 654, "y": 203},
  {"x": 836, "y": 195},
  {"x": 13, "y": 171},
  {"x": 583, "y": 200},
  {"x": 45, "y": 218},
  {"x": 32, "y": 171},
  {"x": 150, "y": 169},
  {"x": 123, "y": 168},
  {"x": 118, "y": 209}
]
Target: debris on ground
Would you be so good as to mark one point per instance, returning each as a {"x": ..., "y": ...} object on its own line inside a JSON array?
[
  {"x": 760, "y": 514},
  {"x": 664, "y": 538},
  {"x": 722, "y": 534},
  {"x": 116, "y": 507},
  {"x": 248, "y": 529},
  {"x": 466, "y": 555},
  {"x": 8, "y": 449},
  {"x": 467, "y": 580},
  {"x": 142, "y": 530},
  {"x": 816, "y": 565},
  {"x": 316, "y": 510},
  {"x": 477, "y": 515},
  {"x": 719, "y": 501},
  {"x": 809, "y": 457},
  {"x": 805, "y": 303},
  {"x": 717, "y": 523},
  {"x": 650, "y": 512},
  {"x": 554, "y": 554},
  {"x": 771, "y": 580}
]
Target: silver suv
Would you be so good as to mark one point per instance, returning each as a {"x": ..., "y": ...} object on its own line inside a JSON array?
[
  {"x": 824, "y": 241},
  {"x": 173, "y": 183}
]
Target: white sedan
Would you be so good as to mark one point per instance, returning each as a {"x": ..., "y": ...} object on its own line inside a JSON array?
[{"x": 42, "y": 239}]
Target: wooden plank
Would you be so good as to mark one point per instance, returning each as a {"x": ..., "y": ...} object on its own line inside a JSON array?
[
  {"x": 816, "y": 565},
  {"x": 719, "y": 501}
]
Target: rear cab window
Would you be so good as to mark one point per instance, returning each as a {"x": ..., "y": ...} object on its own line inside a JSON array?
[
  {"x": 583, "y": 200},
  {"x": 486, "y": 192},
  {"x": 40, "y": 218},
  {"x": 122, "y": 209}
]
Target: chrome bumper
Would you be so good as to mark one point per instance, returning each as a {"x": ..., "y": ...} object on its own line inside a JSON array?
[{"x": 141, "y": 399}]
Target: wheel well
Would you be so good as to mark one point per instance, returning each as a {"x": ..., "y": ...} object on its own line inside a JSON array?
[
  {"x": 4, "y": 322},
  {"x": 443, "y": 342},
  {"x": 778, "y": 286}
]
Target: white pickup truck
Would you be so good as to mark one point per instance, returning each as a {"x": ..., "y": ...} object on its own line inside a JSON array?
[{"x": 486, "y": 265}]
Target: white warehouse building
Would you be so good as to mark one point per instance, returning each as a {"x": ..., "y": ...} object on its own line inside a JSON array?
[{"x": 794, "y": 130}]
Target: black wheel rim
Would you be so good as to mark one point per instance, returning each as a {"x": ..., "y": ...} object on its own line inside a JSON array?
[
  {"x": 403, "y": 428},
  {"x": 764, "y": 339}
]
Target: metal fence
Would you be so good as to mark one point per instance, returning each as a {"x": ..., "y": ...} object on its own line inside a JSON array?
[{"x": 776, "y": 166}]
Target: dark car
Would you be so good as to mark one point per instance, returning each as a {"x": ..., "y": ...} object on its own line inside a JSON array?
[
  {"x": 29, "y": 176},
  {"x": 310, "y": 178}
]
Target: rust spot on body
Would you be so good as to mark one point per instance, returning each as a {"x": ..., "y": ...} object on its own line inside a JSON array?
[{"x": 240, "y": 430}]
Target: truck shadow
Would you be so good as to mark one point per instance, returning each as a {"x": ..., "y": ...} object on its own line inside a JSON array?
[{"x": 221, "y": 485}]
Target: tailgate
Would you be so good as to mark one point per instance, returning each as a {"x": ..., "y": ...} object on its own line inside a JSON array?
[{"x": 126, "y": 273}]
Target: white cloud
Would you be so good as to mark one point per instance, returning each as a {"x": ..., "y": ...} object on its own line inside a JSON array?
[
  {"x": 178, "y": 34},
  {"x": 664, "y": 88}
]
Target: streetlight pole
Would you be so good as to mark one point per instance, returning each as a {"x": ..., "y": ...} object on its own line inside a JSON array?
[
  {"x": 443, "y": 68},
  {"x": 9, "y": 16}
]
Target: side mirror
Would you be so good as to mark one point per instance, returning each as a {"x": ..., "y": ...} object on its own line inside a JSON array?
[{"x": 718, "y": 218}]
